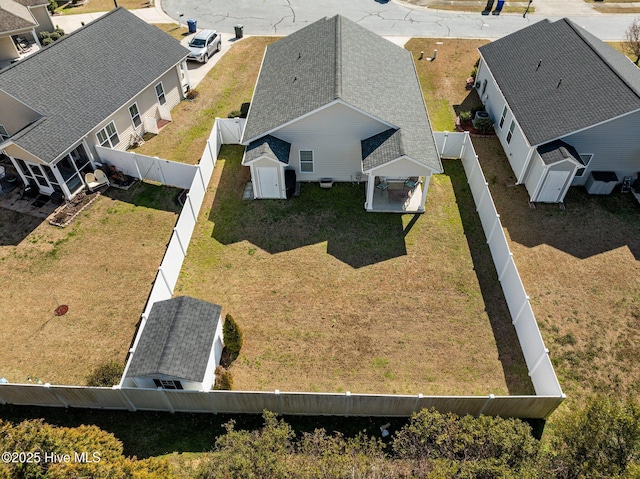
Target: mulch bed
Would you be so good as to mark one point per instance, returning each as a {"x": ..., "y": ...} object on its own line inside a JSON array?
[{"x": 67, "y": 213}]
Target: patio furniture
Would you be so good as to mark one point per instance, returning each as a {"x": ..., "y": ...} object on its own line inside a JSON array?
[
  {"x": 411, "y": 183},
  {"x": 96, "y": 179},
  {"x": 383, "y": 185}
]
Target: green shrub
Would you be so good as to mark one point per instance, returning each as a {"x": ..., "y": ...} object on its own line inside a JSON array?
[
  {"x": 465, "y": 117},
  {"x": 59, "y": 31},
  {"x": 224, "y": 379},
  {"x": 52, "y": 6},
  {"x": 235, "y": 114},
  {"x": 106, "y": 375},
  {"x": 54, "y": 36},
  {"x": 46, "y": 41},
  {"x": 484, "y": 125},
  {"x": 232, "y": 335}
]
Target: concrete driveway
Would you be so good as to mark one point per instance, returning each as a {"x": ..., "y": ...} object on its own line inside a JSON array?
[{"x": 389, "y": 18}]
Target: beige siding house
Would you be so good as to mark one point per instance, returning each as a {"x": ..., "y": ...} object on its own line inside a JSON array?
[
  {"x": 323, "y": 111},
  {"x": 565, "y": 106},
  {"x": 112, "y": 92}
]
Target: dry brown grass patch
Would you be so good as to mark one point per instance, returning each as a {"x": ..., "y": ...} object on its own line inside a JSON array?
[{"x": 102, "y": 267}]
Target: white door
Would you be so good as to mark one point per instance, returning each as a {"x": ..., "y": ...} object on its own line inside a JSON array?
[
  {"x": 268, "y": 182},
  {"x": 553, "y": 186}
]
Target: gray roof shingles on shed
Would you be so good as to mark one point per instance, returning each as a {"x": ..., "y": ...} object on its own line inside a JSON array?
[
  {"x": 557, "y": 79},
  {"x": 97, "y": 70},
  {"x": 177, "y": 339},
  {"x": 557, "y": 151},
  {"x": 269, "y": 146},
  {"x": 334, "y": 58}
]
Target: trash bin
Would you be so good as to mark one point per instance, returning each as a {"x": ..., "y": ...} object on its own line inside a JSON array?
[
  {"x": 239, "y": 30},
  {"x": 192, "y": 26}
]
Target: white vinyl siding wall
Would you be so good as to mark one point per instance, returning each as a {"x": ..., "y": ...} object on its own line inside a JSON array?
[
  {"x": 334, "y": 134},
  {"x": 536, "y": 170},
  {"x": 147, "y": 102},
  {"x": 615, "y": 146},
  {"x": 517, "y": 150}
]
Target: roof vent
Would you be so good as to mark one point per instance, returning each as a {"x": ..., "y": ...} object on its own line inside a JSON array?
[
  {"x": 299, "y": 55},
  {"x": 559, "y": 83},
  {"x": 539, "y": 63}
]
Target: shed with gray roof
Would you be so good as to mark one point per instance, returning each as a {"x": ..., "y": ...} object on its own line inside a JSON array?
[
  {"x": 179, "y": 346},
  {"x": 555, "y": 82},
  {"x": 112, "y": 78},
  {"x": 348, "y": 106}
]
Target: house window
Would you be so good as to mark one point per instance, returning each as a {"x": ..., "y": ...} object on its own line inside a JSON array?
[
  {"x": 166, "y": 384},
  {"x": 511, "y": 128},
  {"x": 160, "y": 94},
  {"x": 504, "y": 115},
  {"x": 4, "y": 134},
  {"x": 584, "y": 159},
  {"x": 135, "y": 115},
  {"x": 108, "y": 136},
  {"x": 306, "y": 161}
]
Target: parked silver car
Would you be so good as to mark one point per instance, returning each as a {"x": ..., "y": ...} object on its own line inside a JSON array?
[{"x": 203, "y": 45}]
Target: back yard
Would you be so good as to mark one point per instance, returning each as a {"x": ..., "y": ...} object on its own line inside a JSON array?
[
  {"x": 101, "y": 267},
  {"x": 332, "y": 298}
]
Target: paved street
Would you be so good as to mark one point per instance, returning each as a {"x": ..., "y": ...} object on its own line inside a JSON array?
[{"x": 281, "y": 17}]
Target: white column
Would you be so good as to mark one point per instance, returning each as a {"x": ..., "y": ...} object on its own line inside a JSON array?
[
  {"x": 425, "y": 188},
  {"x": 370, "y": 191}
]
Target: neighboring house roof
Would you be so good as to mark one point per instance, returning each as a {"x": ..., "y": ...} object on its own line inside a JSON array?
[
  {"x": 557, "y": 151},
  {"x": 269, "y": 146},
  {"x": 557, "y": 79},
  {"x": 336, "y": 59},
  {"x": 32, "y": 3},
  {"x": 106, "y": 64},
  {"x": 177, "y": 339},
  {"x": 15, "y": 16}
]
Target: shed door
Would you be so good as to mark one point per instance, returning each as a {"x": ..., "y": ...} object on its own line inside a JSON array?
[
  {"x": 268, "y": 181},
  {"x": 553, "y": 185}
]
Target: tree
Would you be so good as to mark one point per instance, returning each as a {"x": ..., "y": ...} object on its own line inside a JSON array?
[
  {"x": 631, "y": 42},
  {"x": 600, "y": 440},
  {"x": 232, "y": 335}
]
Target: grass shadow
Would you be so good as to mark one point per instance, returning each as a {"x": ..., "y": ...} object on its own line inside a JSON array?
[
  {"x": 470, "y": 102},
  {"x": 334, "y": 215},
  {"x": 587, "y": 226},
  {"x": 148, "y": 195},
  {"x": 509, "y": 351}
]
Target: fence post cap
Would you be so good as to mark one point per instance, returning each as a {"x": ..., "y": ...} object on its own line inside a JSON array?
[
  {"x": 277, "y": 391},
  {"x": 347, "y": 393}
]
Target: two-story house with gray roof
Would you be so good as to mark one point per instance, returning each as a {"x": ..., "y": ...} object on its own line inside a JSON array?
[
  {"x": 565, "y": 106},
  {"x": 101, "y": 85},
  {"x": 334, "y": 102}
]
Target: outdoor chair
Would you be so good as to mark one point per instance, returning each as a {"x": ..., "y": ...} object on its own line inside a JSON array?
[
  {"x": 96, "y": 180},
  {"x": 411, "y": 183}
]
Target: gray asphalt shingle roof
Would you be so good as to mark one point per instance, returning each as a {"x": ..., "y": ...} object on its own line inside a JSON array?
[
  {"x": 557, "y": 79},
  {"x": 334, "y": 58},
  {"x": 96, "y": 70},
  {"x": 268, "y": 146},
  {"x": 177, "y": 339},
  {"x": 557, "y": 151},
  {"x": 15, "y": 15}
]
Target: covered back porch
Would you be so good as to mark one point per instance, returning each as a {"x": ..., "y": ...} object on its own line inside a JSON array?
[{"x": 399, "y": 186}]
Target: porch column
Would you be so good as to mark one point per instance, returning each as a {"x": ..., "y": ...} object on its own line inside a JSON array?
[
  {"x": 371, "y": 184},
  {"x": 35, "y": 38},
  {"x": 425, "y": 188}
]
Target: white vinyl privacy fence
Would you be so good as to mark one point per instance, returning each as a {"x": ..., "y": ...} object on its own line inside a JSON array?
[
  {"x": 455, "y": 145},
  {"x": 536, "y": 355},
  {"x": 150, "y": 168}
]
